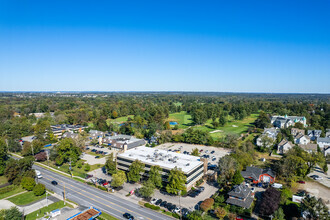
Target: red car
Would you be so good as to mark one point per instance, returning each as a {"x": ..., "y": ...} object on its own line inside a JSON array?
[
  {"x": 302, "y": 182},
  {"x": 201, "y": 151}
]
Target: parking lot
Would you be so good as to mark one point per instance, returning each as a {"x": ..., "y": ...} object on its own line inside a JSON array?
[
  {"x": 91, "y": 159},
  {"x": 212, "y": 154}
]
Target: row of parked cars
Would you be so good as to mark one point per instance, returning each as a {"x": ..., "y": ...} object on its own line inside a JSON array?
[
  {"x": 169, "y": 206},
  {"x": 97, "y": 151},
  {"x": 196, "y": 192}
]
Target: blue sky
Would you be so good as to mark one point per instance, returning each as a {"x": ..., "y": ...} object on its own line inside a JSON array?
[{"x": 226, "y": 46}]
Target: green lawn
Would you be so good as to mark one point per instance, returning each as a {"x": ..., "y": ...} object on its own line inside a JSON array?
[
  {"x": 95, "y": 154},
  {"x": 25, "y": 198},
  {"x": 41, "y": 212},
  {"x": 232, "y": 126},
  {"x": 18, "y": 189},
  {"x": 183, "y": 119},
  {"x": 106, "y": 216},
  {"x": 120, "y": 119}
]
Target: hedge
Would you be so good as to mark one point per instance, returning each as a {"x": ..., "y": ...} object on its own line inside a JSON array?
[
  {"x": 7, "y": 189},
  {"x": 153, "y": 207},
  {"x": 102, "y": 188}
]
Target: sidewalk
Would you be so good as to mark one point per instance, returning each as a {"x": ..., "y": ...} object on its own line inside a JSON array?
[{"x": 38, "y": 205}]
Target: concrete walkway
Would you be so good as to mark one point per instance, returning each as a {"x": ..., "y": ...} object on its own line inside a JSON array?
[{"x": 38, "y": 205}]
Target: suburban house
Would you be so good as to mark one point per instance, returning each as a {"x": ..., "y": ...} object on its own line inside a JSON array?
[
  {"x": 122, "y": 142},
  {"x": 268, "y": 132},
  {"x": 314, "y": 134},
  {"x": 296, "y": 131},
  {"x": 240, "y": 196},
  {"x": 323, "y": 142},
  {"x": 309, "y": 147},
  {"x": 70, "y": 134},
  {"x": 327, "y": 134},
  {"x": 287, "y": 121},
  {"x": 259, "y": 175},
  {"x": 301, "y": 139},
  {"x": 284, "y": 146}
]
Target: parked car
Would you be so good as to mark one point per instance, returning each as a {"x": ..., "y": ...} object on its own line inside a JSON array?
[
  {"x": 213, "y": 159},
  {"x": 89, "y": 176},
  {"x": 158, "y": 202},
  {"x": 201, "y": 189},
  {"x": 128, "y": 216},
  {"x": 300, "y": 181},
  {"x": 168, "y": 205},
  {"x": 163, "y": 204},
  {"x": 184, "y": 211},
  {"x": 54, "y": 183},
  {"x": 153, "y": 201},
  {"x": 93, "y": 150},
  {"x": 318, "y": 178},
  {"x": 176, "y": 210},
  {"x": 206, "y": 151},
  {"x": 259, "y": 185},
  {"x": 212, "y": 152},
  {"x": 252, "y": 189},
  {"x": 201, "y": 151},
  {"x": 96, "y": 157},
  {"x": 87, "y": 148}
]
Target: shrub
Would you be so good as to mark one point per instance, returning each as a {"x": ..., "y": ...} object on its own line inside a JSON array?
[
  {"x": 39, "y": 189},
  {"x": 89, "y": 183},
  {"x": 176, "y": 215},
  {"x": 183, "y": 192},
  {"x": 87, "y": 167},
  {"x": 207, "y": 204},
  {"x": 102, "y": 188},
  {"x": 153, "y": 207},
  {"x": 199, "y": 182},
  {"x": 7, "y": 189},
  {"x": 28, "y": 183},
  {"x": 79, "y": 164}
]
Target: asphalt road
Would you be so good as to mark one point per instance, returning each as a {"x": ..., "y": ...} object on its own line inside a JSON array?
[{"x": 86, "y": 195}]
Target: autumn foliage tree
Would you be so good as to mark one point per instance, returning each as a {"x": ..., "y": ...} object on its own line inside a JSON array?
[
  {"x": 207, "y": 204},
  {"x": 42, "y": 156},
  {"x": 270, "y": 201},
  {"x": 220, "y": 212}
]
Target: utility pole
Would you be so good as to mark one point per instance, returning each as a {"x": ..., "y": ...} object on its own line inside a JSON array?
[
  {"x": 32, "y": 149},
  {"x": 46, "y": 198},
  {"x": 180, "y": 204},
  {"x": 64, "y": 192}
]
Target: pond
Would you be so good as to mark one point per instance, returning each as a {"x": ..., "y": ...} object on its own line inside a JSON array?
[{"x": 173, "y": 123}]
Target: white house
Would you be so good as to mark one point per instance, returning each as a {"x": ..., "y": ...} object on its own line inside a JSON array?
[
  {"x": 314, "y": 134},
  {"x": 301, "y": 139},
  {"x": 269, "y": 132},
  {"x": 284, "y": 146},
  {"x": 323, "y": 142}
]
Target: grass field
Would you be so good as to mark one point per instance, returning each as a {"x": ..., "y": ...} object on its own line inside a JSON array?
[
  {"x": 13, "y": 192},
  {"x": 231, "y": 127},
  {"x": 41, "y": 212},
  {"x": 183, "y": 119},
  {"x": 25, "y": 198},
  {"x": 120, "y": 119}
]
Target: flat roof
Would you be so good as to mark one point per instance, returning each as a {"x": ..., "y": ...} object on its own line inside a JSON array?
[{"x": 163, "y": 158}]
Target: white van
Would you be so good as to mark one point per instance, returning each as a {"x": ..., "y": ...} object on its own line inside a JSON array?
[
  {"x": 277, "y": 185},
  {"x": 39, "y": 176}
]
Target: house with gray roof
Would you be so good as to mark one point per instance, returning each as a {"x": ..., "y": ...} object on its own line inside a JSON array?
[
  {"x": 240, "y": 196},
  {"x": 323, "y": 142},
  {"x": 301, "y": 139},
  {"x": 310, "y": 148},
  {"x": 314, "y": 134},
  {"x": 123, "y": 142},
  {"x": 268, "y": 132},
  {"x": 287, "y": 121},
  {"x": 70, "y": 134},
  {"x": 94, "y": 134},
  {"x": 259, "y": 175},
  {"x": 284, "y": 146}
]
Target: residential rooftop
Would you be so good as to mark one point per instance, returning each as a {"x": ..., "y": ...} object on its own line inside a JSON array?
[{"x": 164, "y": 159}]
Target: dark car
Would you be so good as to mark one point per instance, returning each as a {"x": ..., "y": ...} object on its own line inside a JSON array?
[
  {"x": 94, "y": 150},
  {"x": 302, "y": 182},
  {"x": 128, "y": 216},
  {"x": 97, "y": 157},
  {"x": 184, "y": 211},
  {"x": 54, "y": 183},
  {"x": 158, "y": 202},
  {"x": 163, "y": 204},
  {"x": 168, "y": 205},
  {"x": 172, "y": 208},
  {"x": 201, "y": 189},
  {"x": 87, "y": 148},
  {"x": 212, "y": 152}
]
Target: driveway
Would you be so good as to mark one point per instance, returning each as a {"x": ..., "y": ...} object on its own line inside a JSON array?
[
  {"x": 326, "y": 177},
  {"x": 318, "y": 190}
]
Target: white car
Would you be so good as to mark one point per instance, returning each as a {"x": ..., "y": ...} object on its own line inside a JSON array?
[
  {"x": 206, "y": 151},
  {"x": 176, "y": 210},
  {"x": 153, "y": 201},
  {"x": 318, "y": 178},
  {"x": 252, "y": 189}
]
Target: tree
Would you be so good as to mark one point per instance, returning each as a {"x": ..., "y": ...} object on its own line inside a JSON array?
[
  {"x": 28, "y": 183},
  {"x": 147, "y": 190},
  {"x": 67, "y": 151},
  {"x": 315, "y": 208},
  {"x": 195, "y": 152},
  {"x": 270, "y": 201},
  {"x": 222, "y": 120},
  {"x": 237, "y": 178},
  {"x": 195, "y": 215},
  {"x": 42, "y": 156},
  {"x": 39, "y": 189},
  {"x": 3, "y": 156},
  {"x": 279, "y": 214},
  {"x": 155, "y": 176},
  {"x": 207, "y": 204},
  {"x": 135, "y": 170},
  {"x": 176, "y": 181},
  {"x": 87, "y": 167},
  {"x": 111, "y": 165},
  {"x": 266, "y": 142},
  {"x": 12, "y": 214},
  {"x": 220, "y": 212},
  {"x": 118, "y": 179},
  {"x": 227, "y": 168},
  {"x": 262, "y": 121}
]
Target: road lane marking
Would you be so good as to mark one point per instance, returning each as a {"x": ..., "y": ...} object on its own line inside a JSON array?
[{"x": 101, "y": 199}]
